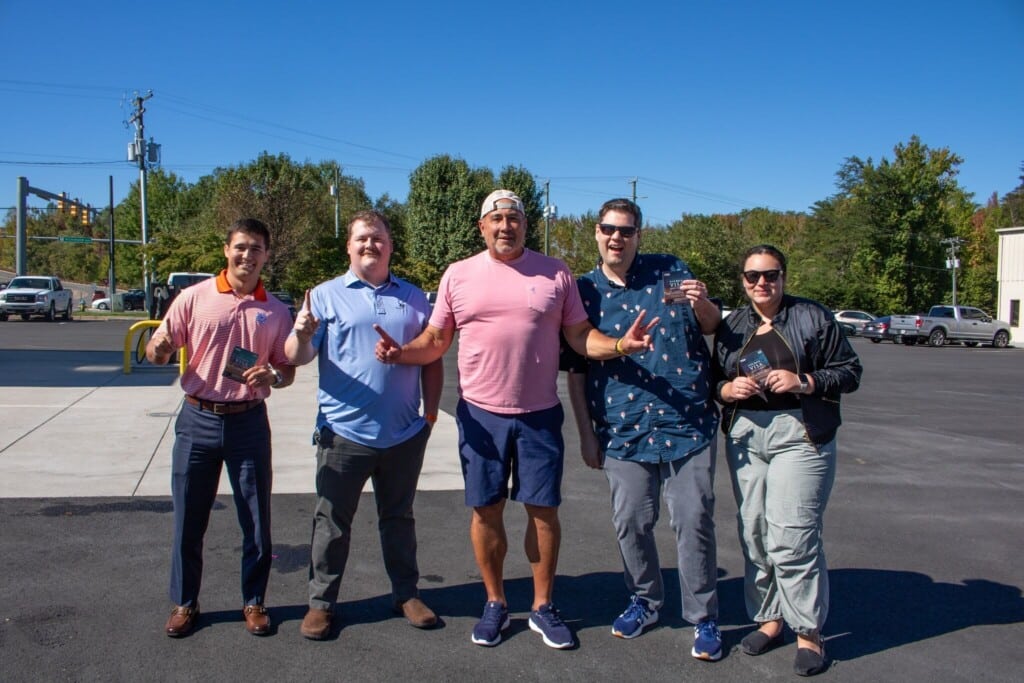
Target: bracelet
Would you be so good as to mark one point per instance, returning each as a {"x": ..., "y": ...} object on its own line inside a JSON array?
[
  {"x": 618, "y": 347},
  {"x": 430, "y": 418}
]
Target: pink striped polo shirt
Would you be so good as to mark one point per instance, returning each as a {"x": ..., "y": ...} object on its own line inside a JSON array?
[{"x": 209, "y": 320}]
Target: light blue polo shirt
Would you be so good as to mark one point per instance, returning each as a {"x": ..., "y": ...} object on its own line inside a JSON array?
[{"x": 362, "y": 399}]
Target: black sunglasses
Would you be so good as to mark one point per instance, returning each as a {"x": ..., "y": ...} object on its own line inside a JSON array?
[
  {"x": 608, "y": 229},
  {"x": 752, "y": 276}
]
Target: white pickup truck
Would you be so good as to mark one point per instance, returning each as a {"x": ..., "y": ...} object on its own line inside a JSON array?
[
  {"x": 950, "y": 324},
  {"x": 28, "y": 295}
]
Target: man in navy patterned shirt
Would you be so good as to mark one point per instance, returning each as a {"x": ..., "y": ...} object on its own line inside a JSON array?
[{"x": 647, "y": 420}]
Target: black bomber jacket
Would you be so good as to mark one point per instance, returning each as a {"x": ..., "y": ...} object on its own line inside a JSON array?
[{"x": 820, "y": 348}]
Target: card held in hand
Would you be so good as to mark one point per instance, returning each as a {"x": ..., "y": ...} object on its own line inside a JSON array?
[
  {"x": 673, "y": 281},
  {"x": 756, "y": 366},
  {"x": 239, "y": 361}
]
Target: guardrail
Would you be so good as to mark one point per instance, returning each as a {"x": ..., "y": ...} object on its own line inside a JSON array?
[{"x": 140, "y": 346}]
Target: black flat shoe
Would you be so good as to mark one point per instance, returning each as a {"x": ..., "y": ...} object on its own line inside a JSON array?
[
  {"x": 808, "y": 662},
  {"x": 759, "y": 642}
]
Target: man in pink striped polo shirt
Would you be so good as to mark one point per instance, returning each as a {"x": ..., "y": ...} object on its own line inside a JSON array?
[{"x": 234, "y": 334}]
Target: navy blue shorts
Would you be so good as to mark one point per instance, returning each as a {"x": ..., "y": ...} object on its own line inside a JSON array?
[{"x": 528, "y": 447}]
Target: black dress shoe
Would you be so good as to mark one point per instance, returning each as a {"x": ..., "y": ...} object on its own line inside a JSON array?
[
  {"x": 808, "y": 662},
  {"x": 759, "y": 642}
]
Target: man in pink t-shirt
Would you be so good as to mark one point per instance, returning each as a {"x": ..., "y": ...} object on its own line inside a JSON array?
[{"x": 509, "y": 304}]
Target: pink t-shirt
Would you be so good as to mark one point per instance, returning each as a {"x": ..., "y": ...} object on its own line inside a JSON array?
[
  {"x": 209, "y": 321},
  {"x": 508, "y": 315}
]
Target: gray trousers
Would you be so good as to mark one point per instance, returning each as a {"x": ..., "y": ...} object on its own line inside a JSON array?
[
  {"x": 343, "y": 467},
  {"x": 687, "y": 486},
  {"x": 782, "y": 483}
]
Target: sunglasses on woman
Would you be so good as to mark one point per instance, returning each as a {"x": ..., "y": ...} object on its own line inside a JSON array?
[
  {"x": 753, "y": 276},
  {"x": 607, "y": 229}
]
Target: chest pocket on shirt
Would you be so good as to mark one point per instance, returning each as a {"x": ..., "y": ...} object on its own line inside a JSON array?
[{"x": 540, "y": 299}]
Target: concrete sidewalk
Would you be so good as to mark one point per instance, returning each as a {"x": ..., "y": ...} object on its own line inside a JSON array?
[{"x": 75, "y": 426}]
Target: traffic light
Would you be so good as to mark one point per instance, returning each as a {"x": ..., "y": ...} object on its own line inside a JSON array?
[
  {"x": 86, "y": 214},
  {"x": 61, "y": 206},
  {"x": 74, "y": 208}
]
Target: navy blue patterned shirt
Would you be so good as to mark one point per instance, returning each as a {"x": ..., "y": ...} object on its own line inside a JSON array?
[{"x": 653, "y": 406}]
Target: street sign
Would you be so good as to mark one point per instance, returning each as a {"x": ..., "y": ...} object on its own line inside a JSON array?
[{"x": 67, "y": 238}]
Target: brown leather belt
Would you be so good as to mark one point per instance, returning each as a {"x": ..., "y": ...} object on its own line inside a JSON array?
[{"x": 223, "y": 408}]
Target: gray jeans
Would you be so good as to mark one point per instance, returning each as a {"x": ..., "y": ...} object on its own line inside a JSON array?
[
  {"x": 782, "y": 482},
  {"x": 687, "y": 486},
  {"x": 343, "y": 467}
]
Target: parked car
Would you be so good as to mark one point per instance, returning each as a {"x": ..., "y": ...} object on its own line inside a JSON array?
[
  {"x": 132, "y": 300},
  {"x": 877, "y": 330},
  {"x": 286, "y": 298},
  {"x": 856, "y": 318},
  {"x": 35, "y": 295},
  {"x": 951, "y": 324}
]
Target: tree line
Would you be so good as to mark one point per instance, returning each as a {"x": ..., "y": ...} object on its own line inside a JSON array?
[{"x": 876, "y": 244}]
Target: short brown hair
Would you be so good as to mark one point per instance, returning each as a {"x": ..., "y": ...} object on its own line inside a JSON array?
[{"x": 370, "y": 216}]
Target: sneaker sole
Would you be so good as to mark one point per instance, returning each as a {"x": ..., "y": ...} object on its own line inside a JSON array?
[
  {"x": 706, "y": 656},
  {"x": 547, "y": 641},
  {"x": 492, "y": 643},
  {"x": 638, "y": 632}
]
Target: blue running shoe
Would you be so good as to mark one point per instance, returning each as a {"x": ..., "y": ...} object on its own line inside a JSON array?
[
  {"x": 548, "y": 623},
  {"x": 638, "y": 616},
  {"x": 707, "y": 641},
  {"x": 495, "y": 620}
]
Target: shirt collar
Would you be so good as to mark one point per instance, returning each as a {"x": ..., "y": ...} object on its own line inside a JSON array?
[
  {"x": 224, "y": 287},
  {"x": 350, "y": 279}
]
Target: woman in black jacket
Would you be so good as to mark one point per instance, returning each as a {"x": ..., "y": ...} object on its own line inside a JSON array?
[{"x": 781, "y": 364}]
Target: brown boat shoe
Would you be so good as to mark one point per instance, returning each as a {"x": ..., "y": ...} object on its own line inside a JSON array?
[
  {"x": 317, "y": 624},
  {"x": 181, "y": 621},
  {"x": 257, "y": 620},
  {"x": 417, "y": 613}
]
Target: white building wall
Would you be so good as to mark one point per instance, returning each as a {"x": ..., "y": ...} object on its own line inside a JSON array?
[{"x": 1010, "y": 275}]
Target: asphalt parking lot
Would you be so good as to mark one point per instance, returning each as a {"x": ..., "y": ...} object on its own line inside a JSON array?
[{"x": 923, "y": 535}]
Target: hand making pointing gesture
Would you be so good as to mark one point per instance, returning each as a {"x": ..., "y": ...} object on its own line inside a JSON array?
[
  {"x": 387, "y": 349},
  {"x": 306, "y": 323}
]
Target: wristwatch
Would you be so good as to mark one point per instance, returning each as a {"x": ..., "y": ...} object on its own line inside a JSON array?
[
  {"x": 804, "y": 383},
  {"x": 278, "y": 379}
]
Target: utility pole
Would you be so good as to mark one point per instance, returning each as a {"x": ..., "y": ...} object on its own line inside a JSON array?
[
  {"x": 550, "y": 212},
  {"x": 143, "y": 153},
  {"x": 633, "y": 183},
  {"x": 952, "y": 263},
  {"x": 336, "y": 193}
]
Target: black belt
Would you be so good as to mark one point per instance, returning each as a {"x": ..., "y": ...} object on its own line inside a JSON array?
[{"x": 223, "y": 408}]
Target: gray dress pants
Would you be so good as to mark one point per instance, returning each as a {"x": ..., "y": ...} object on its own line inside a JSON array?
[
  {"x": 343, "y": 467},
  {"x": 687, "y": 487}
]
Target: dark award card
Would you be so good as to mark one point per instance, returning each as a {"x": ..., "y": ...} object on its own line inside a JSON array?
[
  {"x": 673, "y": 281},
  {"x": 756, "y": 366},
  {"x": 239, "y": 361}
]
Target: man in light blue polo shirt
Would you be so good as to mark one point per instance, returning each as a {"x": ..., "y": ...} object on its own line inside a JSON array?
[{"x": 368, "y": 425}]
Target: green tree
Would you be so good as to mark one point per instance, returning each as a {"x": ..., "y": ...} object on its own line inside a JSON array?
[
  {"x": 522, "y": 182},
  {"x": 910, "y": 204},
  {"x": 443, "y": 209}
]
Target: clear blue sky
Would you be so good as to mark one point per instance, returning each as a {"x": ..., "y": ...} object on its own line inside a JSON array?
[{"x": 714, "y": 106}]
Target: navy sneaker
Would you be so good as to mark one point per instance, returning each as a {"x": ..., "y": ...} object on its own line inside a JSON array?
[
  {"x": 548, "y": 623},
  {"x": 707, "y": 641},
  {"x": 495, "y": 620},
  {"x": 638, "y": 616}
]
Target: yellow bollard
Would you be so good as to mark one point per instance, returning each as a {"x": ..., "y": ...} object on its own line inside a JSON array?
[{"x": 142, "y": 325}]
